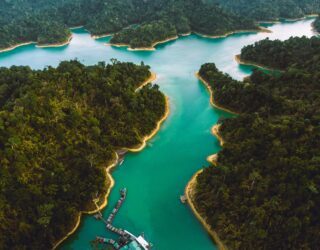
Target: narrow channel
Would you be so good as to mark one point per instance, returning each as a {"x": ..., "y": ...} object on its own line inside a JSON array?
[{"x": 156, "y": 177}]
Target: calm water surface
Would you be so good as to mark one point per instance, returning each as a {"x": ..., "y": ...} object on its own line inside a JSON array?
[{"x": 157, "y": 176}]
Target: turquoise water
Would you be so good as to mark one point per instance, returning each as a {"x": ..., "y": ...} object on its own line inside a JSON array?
[{"x": 156, "y": 176}]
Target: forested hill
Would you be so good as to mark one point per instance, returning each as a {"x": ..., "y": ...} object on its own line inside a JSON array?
[
  {"x": 293, "y": 53},
  {"x": 316, "y": 24},
  {"x": 271, "y": 9},
  {"x": 59, "y": 128},
  {"x": 46, "y": 22},
  {"x": 177, "y": 17},
  {"x": 264, "y": 193}
]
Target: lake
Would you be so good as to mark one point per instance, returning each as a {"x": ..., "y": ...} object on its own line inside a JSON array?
[{"x": 157, "y": 176}]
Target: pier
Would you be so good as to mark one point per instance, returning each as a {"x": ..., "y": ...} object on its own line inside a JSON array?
[
  {"x": 110, "y": 219},
  {"x": 126, "y": 239}
]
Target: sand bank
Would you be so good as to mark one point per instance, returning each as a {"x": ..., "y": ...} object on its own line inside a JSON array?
[
  {"x": 76, "y": 27},
  {"x": 54, "y": 45},
  {"x": 215, "y": 130},
  {"x": 300, "y": 18},
  {"x": 213, "y": 159},
  {"x": 189, "y": 192},
  {"x": 277, "y": 20},
  {"x": 38, "y": 46},
  {"x": 156, "y": 43},
  {"x": 101, "y": 36},
  {"x": 186, "y": 34},
  {"x": 16, "y": 46},
  {"x": 260, "y": 29},
  {"x": 152, "y": 48}
]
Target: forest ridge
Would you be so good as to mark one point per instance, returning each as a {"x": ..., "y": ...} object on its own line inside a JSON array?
[
  {"x": 59, "y": 129},
  {"x": 264, "y": 191},
  {"x": 47, "y": 22}
]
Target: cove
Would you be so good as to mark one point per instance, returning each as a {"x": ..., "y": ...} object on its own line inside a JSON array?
[{"x": 157, "y": 176}]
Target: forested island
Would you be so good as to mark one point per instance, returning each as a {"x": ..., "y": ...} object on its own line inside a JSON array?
[
  {"x": 137, "y": 23},
  {"x": 264, "y": 191},
  {"x": 59, "y": 129}
]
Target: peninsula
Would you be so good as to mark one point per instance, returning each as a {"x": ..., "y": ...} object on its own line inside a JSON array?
[
  {"x": 140, "y": 25},
  {"x": 60, "y": 127},
  {"x": 241, "y": 200}
]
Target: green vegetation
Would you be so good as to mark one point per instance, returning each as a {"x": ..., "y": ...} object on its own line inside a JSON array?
[
  {"x": 46, "y": 22},
  {"x": 31, "y": 21},
  {"x": 59, "y": 128},
  {"x": 295, "y": 52},
  {"x": 264, "y": 194},
  {"x": 262, "y": 10},
  {"x": 316, "y": 24},
  {"x": 182, "y": 16},
  {"x": 157, "y": 20},
  {"x": 145, "y": 35}
]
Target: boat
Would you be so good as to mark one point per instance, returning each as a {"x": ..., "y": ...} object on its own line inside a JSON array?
[
  {"x": 183, "y": 198},
  {"x": 123, "y": 192},
  {"x": 97, "y": 216}
]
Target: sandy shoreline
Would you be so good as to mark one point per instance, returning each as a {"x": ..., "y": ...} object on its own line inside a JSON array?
[
  {"x": 54, "y": 45},
  {"x": 76, "y": 27},
  {"x": 154, "y": 44},
  {"x": 16, "y": 46},
  {"x": 213, "y": 159},
  {"x": 260, "y": 29},
  {"x": 101, "y": 36},
  {"x": 300, "y": 18},
  {"x": 186, "y": 34},
  {"x": 152, "y": 48},
  {"x": 270, "y": 21},
  {"x": 277, "y": 20},
  {"x": 99, "y": 207},
  {"x": 113, "y": 165},
  {"x": 152, "y": 78},
  {"x": 215, "y": 130},
  {"x": 38, "y": 46},
  {"x": 154, "y": 132},
  {"x": 248, "y": 63},
  {"x": 189, "y": 192},
  {"x": 211, "y": 95}
]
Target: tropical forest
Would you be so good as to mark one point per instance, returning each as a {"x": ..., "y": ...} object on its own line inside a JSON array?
[
  {"x": 159, "y": 124},
  {"x": 137, "y": 23},
  {"x": 59, "y": 129},
  {"x": 264, "y": 191}
]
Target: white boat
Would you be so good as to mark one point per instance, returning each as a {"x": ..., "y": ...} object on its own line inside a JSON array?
[{"x": 183, "y": 198}]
